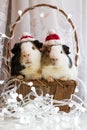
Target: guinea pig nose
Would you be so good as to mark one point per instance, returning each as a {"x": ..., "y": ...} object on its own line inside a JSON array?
[
  {"x": 28, "y": 55},
  {"x": 54, "y": 59}
]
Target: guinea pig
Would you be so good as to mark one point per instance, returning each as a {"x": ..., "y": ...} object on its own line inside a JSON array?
[
  {"x": 26, "y": 60},
  {"x": 56, "y": 63}
]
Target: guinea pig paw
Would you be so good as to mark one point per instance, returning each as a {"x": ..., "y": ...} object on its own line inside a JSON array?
[
  {"x": 63, "y": 78},
  {"x": 20, "y": 77},
  {"x": 33, "y": 77},
  {"x": 50, "y": 79},
  {"x": 36, "y": 77}
]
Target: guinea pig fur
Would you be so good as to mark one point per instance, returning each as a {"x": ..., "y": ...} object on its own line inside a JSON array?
[
  {"x": 56, "y": 63},
  {"x": 26, "y": 60}
]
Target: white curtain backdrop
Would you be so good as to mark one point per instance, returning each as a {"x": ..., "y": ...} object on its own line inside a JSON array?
[
  {"x": 24, "y": 25},
  {"x": 3, "y": 20},
  {"x": 78, "y": 10},
  {"x": 43, "y": 19},
  {"x": 3, "y": 14}
]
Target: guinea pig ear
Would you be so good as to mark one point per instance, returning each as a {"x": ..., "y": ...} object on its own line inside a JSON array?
[
  {"x": 16, "y": 48},
  {"x": 66, "y": 49},
  {"x": 38, "y": 44}
]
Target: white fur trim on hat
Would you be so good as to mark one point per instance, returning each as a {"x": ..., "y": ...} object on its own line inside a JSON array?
[
  {"x": 26, "y": 36},
  {"x": 52, "y": 42}
]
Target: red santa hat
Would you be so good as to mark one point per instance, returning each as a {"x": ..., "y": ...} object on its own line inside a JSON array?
[
  {"x": 26, "y": 36},
  {"x": 52, "y": 38}
]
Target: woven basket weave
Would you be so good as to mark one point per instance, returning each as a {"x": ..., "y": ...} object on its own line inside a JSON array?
[{"x": 60, "y": 89}]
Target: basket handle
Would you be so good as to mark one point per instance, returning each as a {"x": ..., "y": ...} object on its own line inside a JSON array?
[{"x": 53, "y": 7}]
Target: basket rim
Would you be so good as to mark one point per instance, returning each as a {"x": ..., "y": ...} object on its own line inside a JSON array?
[{"x": 50, "y": 6}]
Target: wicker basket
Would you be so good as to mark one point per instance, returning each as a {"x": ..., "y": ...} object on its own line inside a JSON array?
[{"x": 60, "y": 89}]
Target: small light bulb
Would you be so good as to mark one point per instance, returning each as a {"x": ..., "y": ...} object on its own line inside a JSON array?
[
  {"x": 20, "y": 12},
  {"x": 1, "y": 81},
  {"x": 76, "y": 90},
  {"x": 30, "y": 83},
  {"x": 42, "y": 14},
  {"x": 47, "y": 95},
  {"x": 69, "y": 16},
  {"x": 33, "y": 89},
  {"x": 20, "y": 96},
  {"x": 70, "y": 104}
]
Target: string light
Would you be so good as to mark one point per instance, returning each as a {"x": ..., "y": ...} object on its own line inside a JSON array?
[
  {"x": 30, "y": 83},
  {"x": 76, "y": 90},
  {"x": 1, "y": 81},
  {"x": 20, "y": 12},
  {"x": 42, "y": 14},
  {"x": 69, "y": 16},
  {"x": 2, "y": 35},
  {"x": 41, "y": 110}
]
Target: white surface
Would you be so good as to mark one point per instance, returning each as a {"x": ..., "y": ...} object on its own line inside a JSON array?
[{"x": 49, "y": 123}]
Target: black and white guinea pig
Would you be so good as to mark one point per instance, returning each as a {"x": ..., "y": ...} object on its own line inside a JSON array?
[
  {"x": 56, "y": 63},
  {"x": 26, "y": 60}
]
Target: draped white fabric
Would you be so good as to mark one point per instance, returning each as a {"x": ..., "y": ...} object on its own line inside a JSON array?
[
  {"x": 3, "y": 20},
  {"x": 3, "y": 14},
  {"x": 78, "y": 11},
  {"x": 24, "y": 25}
]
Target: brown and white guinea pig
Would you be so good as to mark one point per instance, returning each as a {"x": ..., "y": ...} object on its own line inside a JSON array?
[
  {"x": 26, "y": 60},
  {"x": 56, "y": 63}
]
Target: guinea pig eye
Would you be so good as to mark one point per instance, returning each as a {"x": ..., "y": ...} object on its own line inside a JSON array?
[
  {"x": 48, "y": 51},
  {"x": 33, "y": 47},
  {"x": 61, "y": 52},
  {"x": 24, "y": 55}
]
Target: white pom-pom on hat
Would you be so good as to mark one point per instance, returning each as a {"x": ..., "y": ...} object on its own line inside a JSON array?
[
  {"x": 26, "y": 36},
  {"x": 52, "y": 31},
  {"x": 52, "y": 38}
]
